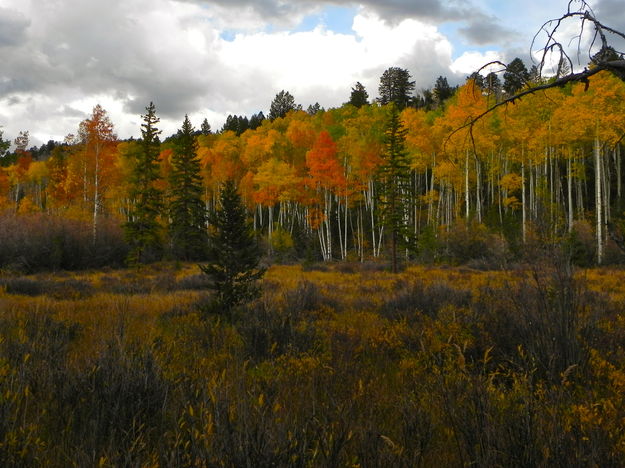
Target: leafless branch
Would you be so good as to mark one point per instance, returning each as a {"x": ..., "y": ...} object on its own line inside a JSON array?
[{"x": 601, "y": 61}]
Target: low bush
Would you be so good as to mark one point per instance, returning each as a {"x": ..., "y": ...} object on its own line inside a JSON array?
[{"x": 36, "y": 242}]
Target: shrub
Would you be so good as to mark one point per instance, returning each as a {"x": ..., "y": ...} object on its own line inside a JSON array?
[
  {"x": 409, "y": 298},
  {"x": 39, "y": 241},
  {"x": 472, "y": 241}
]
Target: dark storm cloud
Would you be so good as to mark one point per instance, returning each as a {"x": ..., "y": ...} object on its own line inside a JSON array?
[
  {"x": 280, "y": 10},
  {"x": 13, "y": 26},
  {"x": 612, "y": 13},
  {"x": 112, "y": 53},
  {"x": 429, "y": 10},
  {"x": 481, "y": 30},
  {"x": 478, "y": 27},
  {"x": 68, "y": 111}
]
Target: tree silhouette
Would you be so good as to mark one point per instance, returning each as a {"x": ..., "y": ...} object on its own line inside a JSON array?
[
  {"x": 515, "y": 77},
  {"x": 395, "y": 178},
  {"x": 205, "y": 129},
  {"x": 359, "y": 96},
  {"x": 234, "y": 254},
  {"x": 143, "y": 230},
  {"x": 282, "y": 104},
  {"x": 395, "y": 86},
  {"x": 186, "y": 209},
  {"x": 442, "y": 91}
]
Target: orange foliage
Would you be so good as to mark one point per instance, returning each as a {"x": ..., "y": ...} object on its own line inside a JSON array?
[{"x": 322, "y": 163}]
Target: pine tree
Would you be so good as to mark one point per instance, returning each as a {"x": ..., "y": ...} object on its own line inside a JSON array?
[
  {"x": 492, "y": 85},
  {"x": 205, "y": 129},
  {"x": 395, "y": 86},
  {"x": 442, "y": 91},
  {"x": 4, "y": 145},
  {"x": 394, "y": 174},
  {"x": 359, "y": 96},
  {"x": 515, "y": 77},
  {"x": 282, "y": 104},
  {"x": 237, "y": 124},
  {"x": 256, "y": 120},
  {"x": 314, "y": 108},
  {"x": 478, "y": 79},
  {"x": 187, "y": 227},
  {"x": 233, "y": 252},
  {"x": 143, "y": 230}
]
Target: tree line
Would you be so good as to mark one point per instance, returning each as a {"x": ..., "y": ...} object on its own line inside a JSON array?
[{"x": 363, "y": 180}]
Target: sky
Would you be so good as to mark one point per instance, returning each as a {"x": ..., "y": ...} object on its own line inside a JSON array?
[{"x": 209, "y": 59}]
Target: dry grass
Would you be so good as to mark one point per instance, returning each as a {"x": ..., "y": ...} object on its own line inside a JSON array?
[{"x": 333, "y": 366}]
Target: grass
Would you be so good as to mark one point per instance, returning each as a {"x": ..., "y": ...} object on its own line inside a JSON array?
[{"x": 332, "y": 366}]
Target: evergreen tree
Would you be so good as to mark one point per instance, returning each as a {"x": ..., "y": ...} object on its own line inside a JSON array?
[
  {"x": 314, "y": 108},
  {"x": 236, "y": 124},
  {"x": 4, "y": 145},
  {"x": 515, "y": 77},
  {"x": 143, "y": 230},
  {"x": 359, "y": 96},
  {"x": 187, "y": 227},
  {"x": 205, "y": 129},
  {"x": 395, "y": 86},
  {"x": 534, "y": 75},
  {"x": 282, "y": 104},
  {"x": 256, "y": 120},
  {"x": 492, "y": 84},
  {"x": 477, "y": 79},
  {"x": 234, "y": 254},
  {"x": 230, "y": 124},
  {"x": 607, "y": 53},
  {"x": 394, "y": 174},
  {"x": 442, "y": 91}
]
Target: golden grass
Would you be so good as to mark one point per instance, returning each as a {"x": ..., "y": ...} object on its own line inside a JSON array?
[{"x": 339, "y": 351}]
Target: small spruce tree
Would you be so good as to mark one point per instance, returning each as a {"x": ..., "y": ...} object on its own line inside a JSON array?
[
  {"x": 234, "y": 254},
  {"x": 187, "y": 228},
  {"x": 394, "y": 174},
  {"x": 143, "y": 230},
  {"x": 359, "y": 96},
  {"x": 205, "y": 129}
]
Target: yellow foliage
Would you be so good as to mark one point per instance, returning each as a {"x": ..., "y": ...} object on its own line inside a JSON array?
[{"x": 511, "y": 182}]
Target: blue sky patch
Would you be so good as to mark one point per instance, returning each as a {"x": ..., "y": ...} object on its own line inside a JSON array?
[
  {"x": 228, "y": 35},
  {"x": 336, "y": 19}
]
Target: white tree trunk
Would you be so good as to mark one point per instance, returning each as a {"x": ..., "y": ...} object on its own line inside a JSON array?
[
  {"x": 467, "y": 207},
  {"x": 96, "y": 194},
  {"x": 598, "y": 200},
  {"x": 523, "y": 204},
  {"x": 569, "y": 190}
]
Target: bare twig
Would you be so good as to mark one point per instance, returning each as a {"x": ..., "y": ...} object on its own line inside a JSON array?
[{"x": 601, "y": 61}]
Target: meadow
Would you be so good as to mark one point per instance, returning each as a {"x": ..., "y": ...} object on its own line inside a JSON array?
[{"x": 335, "y": 365}]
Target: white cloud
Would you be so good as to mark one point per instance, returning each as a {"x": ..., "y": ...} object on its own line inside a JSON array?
[
  {"x": 470, "y": 62},
  {"x": 68, "y": 55},
  {"x": 331, "y": 63}
]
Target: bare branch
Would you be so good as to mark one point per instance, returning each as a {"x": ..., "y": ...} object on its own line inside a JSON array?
[
  {"x": 600, "y": 61},
  {"x": 573, "y": 77}
]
